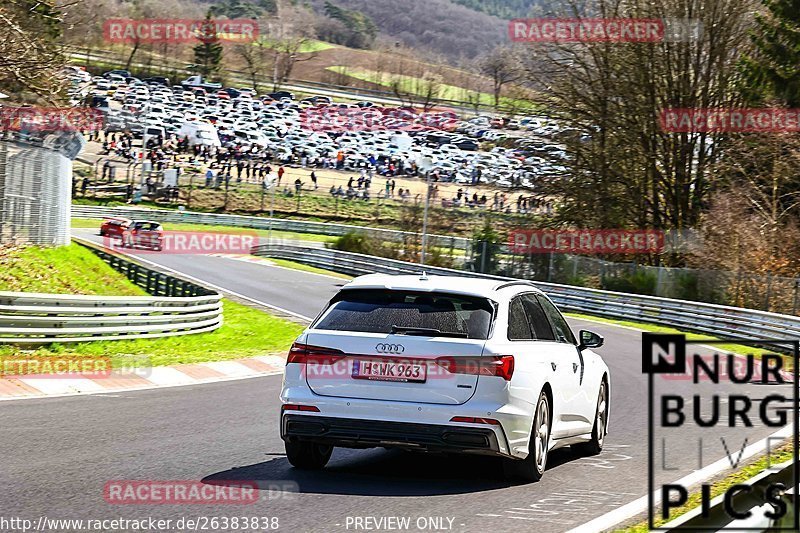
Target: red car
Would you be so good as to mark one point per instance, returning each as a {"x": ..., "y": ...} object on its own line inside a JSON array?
[
  {"x": 143, "y": 234},
  {"x": 114, "y": 227}
]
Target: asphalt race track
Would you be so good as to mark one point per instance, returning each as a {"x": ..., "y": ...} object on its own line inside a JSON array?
[{"x": 57, "y": 454}]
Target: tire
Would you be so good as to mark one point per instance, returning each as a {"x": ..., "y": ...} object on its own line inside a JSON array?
[
  {"x": 533, "y": 466},
  {"x": 308, "y": 455},
  {"x": 595, "y": 446}
]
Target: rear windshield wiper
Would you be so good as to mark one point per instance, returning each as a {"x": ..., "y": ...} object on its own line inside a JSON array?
[{"x": 402, "y": 330}]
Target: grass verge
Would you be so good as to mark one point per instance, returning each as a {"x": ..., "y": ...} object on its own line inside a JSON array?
[
  {"x": 246, "y": 332},
  {"x": 67, "y": 269},
  {"x": 720, "y": 486},
  {"x": 420, "y": 87}
]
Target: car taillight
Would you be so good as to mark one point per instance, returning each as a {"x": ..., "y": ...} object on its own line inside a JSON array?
[
  {"x": 298, "y": 407},
  {"x": 498, "y": 365},
  {"x": 475, "y": 420},
  {"x": 305, "y": 354}
]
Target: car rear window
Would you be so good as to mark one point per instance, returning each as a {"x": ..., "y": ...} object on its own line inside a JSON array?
[{"x": 379, "y": 311}]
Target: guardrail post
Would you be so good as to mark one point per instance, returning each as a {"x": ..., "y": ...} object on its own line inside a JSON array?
[
  {"x": 794, "y": 300},
  {"x": 769, "y": 291}
]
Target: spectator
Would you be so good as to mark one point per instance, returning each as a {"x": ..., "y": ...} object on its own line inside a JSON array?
[
  {"x": 281, "y": 172},
  {"x": 314, "y": 179}
]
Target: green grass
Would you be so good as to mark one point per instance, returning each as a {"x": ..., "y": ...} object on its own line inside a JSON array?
[
  {"x": 307, "y": 47},
  {"x": 308, "y": 268},
  {"x": 246, "y": 332},
  {"x": 94, "y": 223},
  {"x": 68, "y": 269},
  {"x": 73, "y": 269},
  {"x": 418, "y": 86},
  {"x": 718, "y": 487}
]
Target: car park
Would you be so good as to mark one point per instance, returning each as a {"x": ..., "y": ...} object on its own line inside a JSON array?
[
  {"x": 365, "y": 130},
  {"x": 427, "y": 363}
]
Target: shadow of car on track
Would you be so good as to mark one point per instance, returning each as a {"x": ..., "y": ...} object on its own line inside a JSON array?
[{"x": 383, "y": 473}]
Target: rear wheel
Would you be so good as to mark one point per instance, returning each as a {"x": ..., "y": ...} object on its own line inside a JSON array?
[
  {"x": 595, "y": 446},
  {"x": 308, "y": 455},
  {"x": 532, "y": 467}
]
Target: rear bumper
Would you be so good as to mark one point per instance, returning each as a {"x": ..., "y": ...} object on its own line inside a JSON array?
[{"x": 357, "y": 433}]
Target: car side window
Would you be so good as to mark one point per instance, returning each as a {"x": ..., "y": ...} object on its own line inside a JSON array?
[
  {"x": 560, "y": 326},
  {"x": 518, "y": 328},
  {"x": 537, "y": 318}
]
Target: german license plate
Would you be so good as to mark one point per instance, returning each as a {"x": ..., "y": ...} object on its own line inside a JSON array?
[{"x": 400, "y": 370}]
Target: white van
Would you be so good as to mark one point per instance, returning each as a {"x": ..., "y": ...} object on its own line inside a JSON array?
[{"x": 201, "y": 133}]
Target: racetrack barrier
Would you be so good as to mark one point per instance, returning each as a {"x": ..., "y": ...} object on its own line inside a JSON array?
[
  {"x": 263, "y": 223},
  {"x": 176, "y": 307},
  {"x": 696, "y": 317}
]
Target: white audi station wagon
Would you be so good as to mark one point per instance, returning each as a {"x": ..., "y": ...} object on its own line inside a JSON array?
[{"x": 444, "y": 364}]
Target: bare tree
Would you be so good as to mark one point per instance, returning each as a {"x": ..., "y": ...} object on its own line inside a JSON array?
[
  {"x": 289, "y": 32},
  {"x": 502, "y": 67},
  {"x": 623, "y": 169},
  {"x": 30, "y": 50}
]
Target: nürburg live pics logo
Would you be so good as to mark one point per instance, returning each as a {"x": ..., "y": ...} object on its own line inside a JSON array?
[{"x": 711, "y": 414}]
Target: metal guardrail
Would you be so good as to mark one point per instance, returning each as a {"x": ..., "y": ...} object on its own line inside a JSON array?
[
  {"x": 177, "y": 307},
  {"x": 697, "y": 317},
  {"x": 278, "y": 224}
]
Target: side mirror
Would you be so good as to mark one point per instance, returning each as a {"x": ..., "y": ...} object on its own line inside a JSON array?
[{"x": 590, "y": 339}]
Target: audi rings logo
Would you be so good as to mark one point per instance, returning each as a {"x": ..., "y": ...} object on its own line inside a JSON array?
[{"x": 390, "y": 348}]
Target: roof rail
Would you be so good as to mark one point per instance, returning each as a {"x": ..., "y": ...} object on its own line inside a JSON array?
[{"x": 515, "y": 282}]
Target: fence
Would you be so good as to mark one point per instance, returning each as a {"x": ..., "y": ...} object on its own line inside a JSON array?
[
  {"x": 176, "y": 307},
  {"x": 35, "y": 181},
  {"x": 277, "y": 224},
  {"x": 742, "y": 289},
  {"x": 713, "y": 320}
]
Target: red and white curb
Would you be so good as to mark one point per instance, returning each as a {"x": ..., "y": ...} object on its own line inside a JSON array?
[{"x": 142, "y": 378}]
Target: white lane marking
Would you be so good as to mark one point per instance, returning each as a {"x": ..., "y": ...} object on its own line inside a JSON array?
[
  {"x": 629, "y": 510},
  {"x": 217, "y": 287}
]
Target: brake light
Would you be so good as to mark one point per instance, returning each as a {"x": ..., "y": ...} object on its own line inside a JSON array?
[
  {"x": 298, "y": 407},
  {"x": 498, "y": 365},
  {"x": 475, "y": 420},
  {"x": 305, "y": 354}
]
